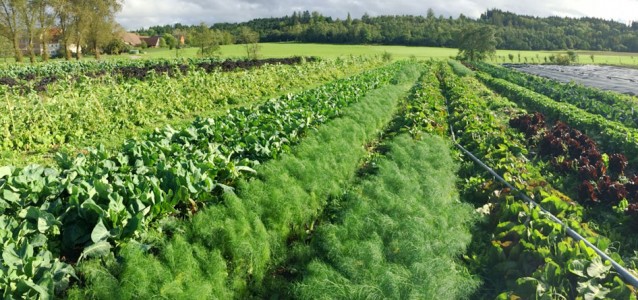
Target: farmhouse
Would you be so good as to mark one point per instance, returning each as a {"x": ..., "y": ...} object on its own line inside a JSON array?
[
  {"x": 131, "y": 39},
  {"x": 135, "y": 40},
  {"x": 53, "y": 44},
  {"x": 152, "y": 41}
]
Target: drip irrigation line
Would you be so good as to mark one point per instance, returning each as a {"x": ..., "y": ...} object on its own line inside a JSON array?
[{"x": 624, "y": 273}]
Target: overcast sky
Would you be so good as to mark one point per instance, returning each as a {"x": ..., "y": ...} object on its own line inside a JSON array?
[{"x": 136, "y": 14}]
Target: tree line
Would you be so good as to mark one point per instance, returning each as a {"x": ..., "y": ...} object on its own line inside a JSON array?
[
  {"x": 32, "y": 23},
  {"x": 207, "y": 39},
  {"x": 512, "y": 31}
]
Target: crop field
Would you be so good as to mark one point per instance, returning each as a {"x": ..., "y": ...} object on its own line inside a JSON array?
[
  {"x": 313, "y": 178},
  {"x": 68, "y": 106}
]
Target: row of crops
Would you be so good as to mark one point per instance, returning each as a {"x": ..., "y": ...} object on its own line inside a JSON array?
[
  {"x": 525, "y": 254},
  {"x": 88, "y": 204},
  {"x": 25, "y": 78},
  {"x": 611, "y": 105},
  {"x": 586, "y": 160},
  {"x": 72, "y": 115},
  {"x": 345, "y": 184}
]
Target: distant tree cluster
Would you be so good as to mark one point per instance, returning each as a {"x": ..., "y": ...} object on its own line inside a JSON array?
[
  {"x": 511, "y": 31},
  {"x": 208, "y": 38},
  {"x": 28, "y": 24},
  {"x": 476, "y": 43}
]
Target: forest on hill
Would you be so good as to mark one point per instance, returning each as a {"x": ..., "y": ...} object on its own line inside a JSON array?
[{"x": 513, "y": 31}]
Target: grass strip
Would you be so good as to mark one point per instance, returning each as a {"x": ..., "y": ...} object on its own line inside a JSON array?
[{"x": 226, "y": 250}]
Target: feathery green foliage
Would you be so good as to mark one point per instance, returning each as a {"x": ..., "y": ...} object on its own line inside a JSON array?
[
  {"x": 399, "y": 234},
  {"x": 459, "y": 68},
  {"x": 227, "y": 249}
]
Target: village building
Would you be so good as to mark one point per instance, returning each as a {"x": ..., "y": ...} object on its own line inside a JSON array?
[{"x": 53, "y": 44}]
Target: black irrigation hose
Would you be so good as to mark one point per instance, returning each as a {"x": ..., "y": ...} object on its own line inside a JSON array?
[{"x": 624, "y": 273}]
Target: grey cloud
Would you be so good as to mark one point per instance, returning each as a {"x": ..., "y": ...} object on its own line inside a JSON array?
[{"x": 139, "y": 13}]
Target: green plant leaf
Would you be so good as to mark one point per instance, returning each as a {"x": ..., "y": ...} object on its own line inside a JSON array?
[
  {"x": 245, "y": 169},
  {"x": 42, "y": 291},
  {"x": 592, "y": 290},
  {"x": 577, "y": 267},
  {"x": 5, "y": 171},
  {"x": 529, "y": 286},
  {"x": 597, "y": 268},
  {"x": 10, "y": 257},
  {"x": 10, "y": 196},
  {"x": 621, "y": 291},
  {"x": 99, "y": 249},
  {"x": 100, "y": 232}
]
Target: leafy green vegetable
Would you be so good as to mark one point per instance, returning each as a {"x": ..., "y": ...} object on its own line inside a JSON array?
[{"x": 102, "y": 198}]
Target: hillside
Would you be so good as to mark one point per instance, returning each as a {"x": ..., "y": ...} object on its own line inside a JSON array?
[{"x": 514, "y": 32}]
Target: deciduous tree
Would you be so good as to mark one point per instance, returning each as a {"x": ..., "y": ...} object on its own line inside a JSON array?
[
  {"x": 45, "y": 16},
  {"x": 10, "y": 21},
  {"x": 477, "y": 43},
  {"x": 64, "y": 18},
  {"x": 250, "y": 39},
  {"x": 93, "y": 23},
  {"x": 205, "y": 39},
  {"x": 170, "y": 40},
  {"x": 28, "y": 11}
]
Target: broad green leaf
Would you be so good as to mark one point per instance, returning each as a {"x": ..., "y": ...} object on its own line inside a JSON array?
[
  {"x": 621, "y": 291},
  {"x": 39, "y": 240},
  {"x": 42, "y": 291},
  {"x": 132, "y": 224},
  {"x": 99, "y": 233},
  {"x": 89, "y": 205},
  {"x": 245, "y": 169},
  {"x": 577, "y": 267},
  {"x": 597, "y": 268},
  {"x": 43, "y": 225},
  {"x": 32, "y": 213},
  {"x": 5, "y": 171},
  {"x": 76, "y": 233},
  {"x": 529, "y": 286},
  {"x": 103, "y": 189},
  {"x": 10, "y": 196},
  {"x": 10, "y": 256},
  {"x": 592, "y": 290},
  {"x": 225, "y": 188},
  {"x": 99, "y": 249}
]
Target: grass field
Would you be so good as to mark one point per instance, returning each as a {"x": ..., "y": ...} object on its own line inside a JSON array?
[
  {"x": 322, "y": 50},
  {"x": 397, "y": 52},
  {"x": 269, "y": 50},
  {"x": 333, "y": 51}
]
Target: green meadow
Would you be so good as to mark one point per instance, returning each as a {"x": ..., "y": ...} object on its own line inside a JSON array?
[
  {"x": 270, "y": 50},
  {"x": 398, "y": 52}
]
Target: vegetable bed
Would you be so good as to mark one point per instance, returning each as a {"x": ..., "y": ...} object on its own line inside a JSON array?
[{"x": 90, "y": 203}]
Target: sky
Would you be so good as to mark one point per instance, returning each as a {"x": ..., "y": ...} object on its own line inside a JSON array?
[{"x": 136, "y": 14}]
